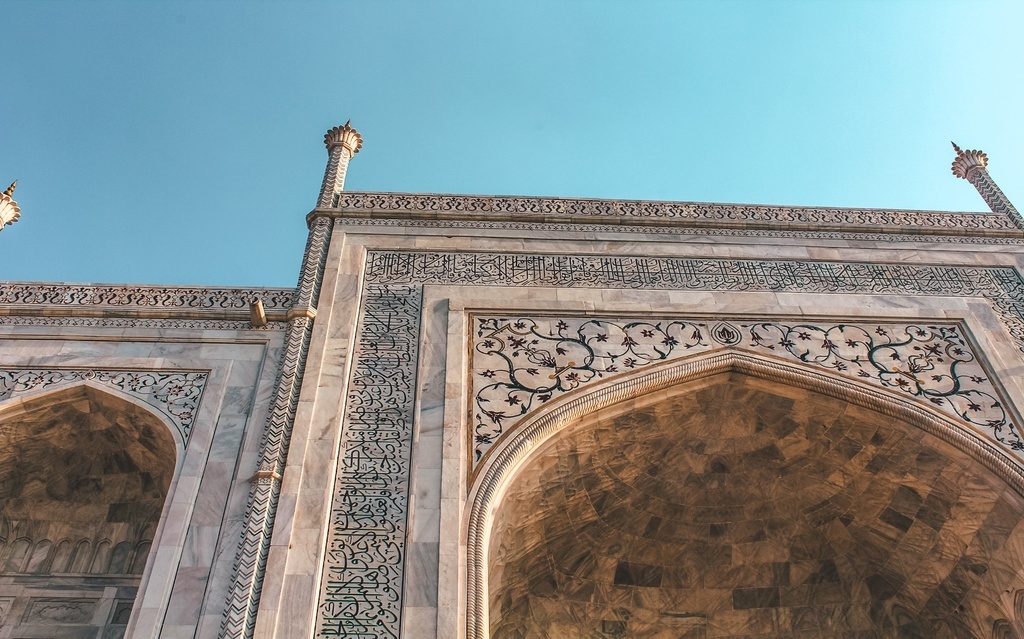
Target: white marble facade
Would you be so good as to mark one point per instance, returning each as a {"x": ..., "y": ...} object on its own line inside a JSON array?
[{"x": 336, "y": 478}]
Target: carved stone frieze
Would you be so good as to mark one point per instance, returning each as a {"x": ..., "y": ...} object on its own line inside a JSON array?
[
  {"x": 175, "y": 394},
  {"x": 142, "y": 297},
  {"x": 137, "y": 322},
  {"x": 680, "y": 213},
  {"x": 521, "y": 363}
]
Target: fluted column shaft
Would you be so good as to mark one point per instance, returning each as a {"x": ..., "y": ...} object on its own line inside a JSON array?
[{"x": 251, "y": 557}]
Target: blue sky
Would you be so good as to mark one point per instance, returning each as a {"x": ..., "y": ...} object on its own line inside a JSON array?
[{"x": 181, "y": 142}]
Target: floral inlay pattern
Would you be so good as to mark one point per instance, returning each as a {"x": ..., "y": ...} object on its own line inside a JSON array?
[{"x": 519, "y": 364}]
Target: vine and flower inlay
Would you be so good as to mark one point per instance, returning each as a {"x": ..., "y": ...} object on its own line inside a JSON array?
[{"x": 522, "y": 363}]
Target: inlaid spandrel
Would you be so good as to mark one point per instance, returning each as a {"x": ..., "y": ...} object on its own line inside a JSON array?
[{"x": 521, "y": 363}]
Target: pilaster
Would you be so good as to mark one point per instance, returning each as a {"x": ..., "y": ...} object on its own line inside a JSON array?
[{"x": 251, "y": 559}]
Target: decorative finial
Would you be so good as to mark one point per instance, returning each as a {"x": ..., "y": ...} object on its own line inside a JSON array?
[
  {"x": 345, "y": 136},
  {"x": 967, "y": 161},
  {"x": 9, "y": 211}
]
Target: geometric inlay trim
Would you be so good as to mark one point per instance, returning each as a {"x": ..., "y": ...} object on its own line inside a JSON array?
[
  {"x": 175, "y": 394},
  {"x": 677, "y": 231},
  {"x": 521, "y": 363}
]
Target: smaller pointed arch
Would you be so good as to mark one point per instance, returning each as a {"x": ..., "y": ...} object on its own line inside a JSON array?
[
  {"x": 85, "y": 476},
  {"x": 87, "y": 390}
]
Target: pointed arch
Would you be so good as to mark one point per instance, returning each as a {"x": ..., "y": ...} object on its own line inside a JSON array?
[
  {"x": 86, "y": 473},
  {"x": 501, "y": 468},
  {"x": 56, "y": 394}
]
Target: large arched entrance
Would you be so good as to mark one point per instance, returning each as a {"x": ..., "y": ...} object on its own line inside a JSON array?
[
  {"x": 735, "y": 506},
  {"x": 83, "y": 479}
]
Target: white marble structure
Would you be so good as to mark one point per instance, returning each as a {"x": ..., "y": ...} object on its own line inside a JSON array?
[
  {"x": 343, "y": 450},
  {"x": 9, "y": 209}
]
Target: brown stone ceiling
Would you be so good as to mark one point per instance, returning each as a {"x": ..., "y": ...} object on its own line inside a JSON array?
[{"x": 739, "y": 508}]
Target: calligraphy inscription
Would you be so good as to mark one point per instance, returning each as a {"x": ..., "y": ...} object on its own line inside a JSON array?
[{"x": 362, "y": 578}]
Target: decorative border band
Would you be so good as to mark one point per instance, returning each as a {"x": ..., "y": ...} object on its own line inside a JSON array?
[
  {"x": 142, "y": 297},
  {"x": 909, "y": 235},
  {"x": 361, "y": 586}
]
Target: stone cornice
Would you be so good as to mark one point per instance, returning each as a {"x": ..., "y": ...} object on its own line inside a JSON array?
[
  {"x": 682, "y": 215},
  {"x": 97, "y": 300}
]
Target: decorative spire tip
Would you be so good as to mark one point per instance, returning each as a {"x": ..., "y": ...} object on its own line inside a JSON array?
[
  {"x": 345, "y": 136},
  {"x": 10, "y": 190},
  {"x": 967, "y": 161}
]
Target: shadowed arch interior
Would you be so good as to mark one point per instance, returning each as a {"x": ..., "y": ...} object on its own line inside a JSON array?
[
  {"x": 734, "y": 506},
  {"x": 83, "y": 479}
]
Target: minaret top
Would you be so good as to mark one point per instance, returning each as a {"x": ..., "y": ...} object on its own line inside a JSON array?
[
  {"x": 345, "y": 136},
  {"x": 967, "y": 160},
  {"x": 9, "y": 211}
]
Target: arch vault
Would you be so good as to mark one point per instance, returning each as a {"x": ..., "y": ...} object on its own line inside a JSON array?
[{"x": 817, "y": 500}]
